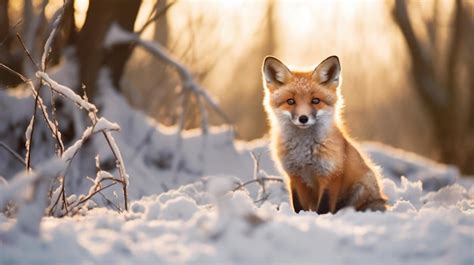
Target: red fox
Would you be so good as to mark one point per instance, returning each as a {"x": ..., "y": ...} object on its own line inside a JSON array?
[{"x": 324, "y": 169}]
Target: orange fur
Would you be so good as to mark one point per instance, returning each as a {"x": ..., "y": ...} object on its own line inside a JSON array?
[{"x": 325, "y": 170}]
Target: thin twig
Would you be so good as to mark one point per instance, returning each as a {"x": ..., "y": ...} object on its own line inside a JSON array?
[
  {"x": 110, "y": 202},
  {"x": 121, "y": 167},
  {"x": 31, "y": 133},
  {"x": 155, "y": 14},
  {"x": 63, "y": 192},
  {"x": 259, "y": 180},
  {"x": 83, "y": 200},
  {"x": 256, "y": 161},
  {"x": 27, "y": 51},
  {"x": 264, "y": 198},
  {"x": 23, "y": 78},
  {"x": 13, "y": 153},
  {"x": 52, "y": 126},
  {"x": 33, "y": 119},
  {"x": 10, "y": 31},
  {"x": 50, "y": 212}
]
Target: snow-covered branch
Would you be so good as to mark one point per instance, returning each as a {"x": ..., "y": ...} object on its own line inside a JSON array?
[
  {"x": 66, "y": 92},
  {"x": 102, "y": 125},
  {"x": 117, "y": 35},
  {"x": 189, "y": 84},
  {"x": 52, "y": 35}
]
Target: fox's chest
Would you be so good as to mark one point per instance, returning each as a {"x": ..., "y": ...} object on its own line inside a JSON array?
[{"x": 302, "y": 157}]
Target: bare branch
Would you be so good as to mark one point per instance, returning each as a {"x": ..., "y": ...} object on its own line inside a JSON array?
[
  {"x": 259, "y": 180},
  {"x": 260, "y": 177}
]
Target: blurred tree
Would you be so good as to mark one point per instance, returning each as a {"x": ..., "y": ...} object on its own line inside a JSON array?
[
  {"x": 443, "y": 75},
  {"x": 249, "y": 66},
  {"x": 4, "y": 24},
  {"x": 34, "y": 30},
  {"x": 92, "y": 56},
  {"x": 67, "y": 35},
  {"x": 6, "y": 55}
]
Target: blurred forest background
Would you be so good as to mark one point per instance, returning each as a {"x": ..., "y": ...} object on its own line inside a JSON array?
[{"x": 408, "y": 66}]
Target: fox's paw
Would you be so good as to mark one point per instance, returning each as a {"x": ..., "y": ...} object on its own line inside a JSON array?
[
  {"x": 375, "y": 205},
  {"x": 363, "y": 199}
]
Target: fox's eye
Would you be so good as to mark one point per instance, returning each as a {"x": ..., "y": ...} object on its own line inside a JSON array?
[
  {"x": 315, "y": 101},
  {"x": 290, "y": 101}
]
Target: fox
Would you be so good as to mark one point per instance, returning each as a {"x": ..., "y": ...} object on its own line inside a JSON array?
[{"x": 323, "y": 167}]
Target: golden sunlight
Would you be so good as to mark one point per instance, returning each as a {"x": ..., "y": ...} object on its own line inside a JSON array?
[{"x": 80, "y": 9}]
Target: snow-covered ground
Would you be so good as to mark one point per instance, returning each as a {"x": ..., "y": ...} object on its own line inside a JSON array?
[
  {"x": 205, "y": 223},
  {"x": 187, "y": 212}
]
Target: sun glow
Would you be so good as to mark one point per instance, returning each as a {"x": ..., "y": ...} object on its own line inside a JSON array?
[{"x": 80, "y": 10}]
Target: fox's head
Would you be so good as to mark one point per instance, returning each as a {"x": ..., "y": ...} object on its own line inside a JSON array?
[{"x": 301, "y": 99}]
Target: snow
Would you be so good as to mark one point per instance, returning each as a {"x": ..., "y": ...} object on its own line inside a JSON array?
[
  {"x": 202, "y": 223},
  {"x": 196, "y": 217}
]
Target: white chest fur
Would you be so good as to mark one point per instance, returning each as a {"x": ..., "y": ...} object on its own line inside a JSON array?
[{"x": 302, "y": 155}]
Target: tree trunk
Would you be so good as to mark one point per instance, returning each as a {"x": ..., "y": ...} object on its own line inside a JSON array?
[
  {"x": 4, "y": 25},
  {"x": 6, "y": 56},
  {"x": 92, "y": 56}
]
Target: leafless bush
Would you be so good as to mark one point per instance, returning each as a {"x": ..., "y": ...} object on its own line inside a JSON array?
[
  {"x": 260, "y": 177},
  {"x": 42, "y": 197}
]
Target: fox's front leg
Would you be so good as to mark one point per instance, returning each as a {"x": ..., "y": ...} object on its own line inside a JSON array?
[
  {"x": 301, "y": 195},
  {"x": 295, "y": 201},
  {"x": 334, "y": 190}
]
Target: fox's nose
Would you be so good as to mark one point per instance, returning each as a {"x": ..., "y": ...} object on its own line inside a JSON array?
[{"x": 303, "y": 119}]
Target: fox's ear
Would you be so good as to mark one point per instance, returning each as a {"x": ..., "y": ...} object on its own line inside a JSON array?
[
  {"x": 328, "y": 71},
  {"x": 274, "y": 71}
]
